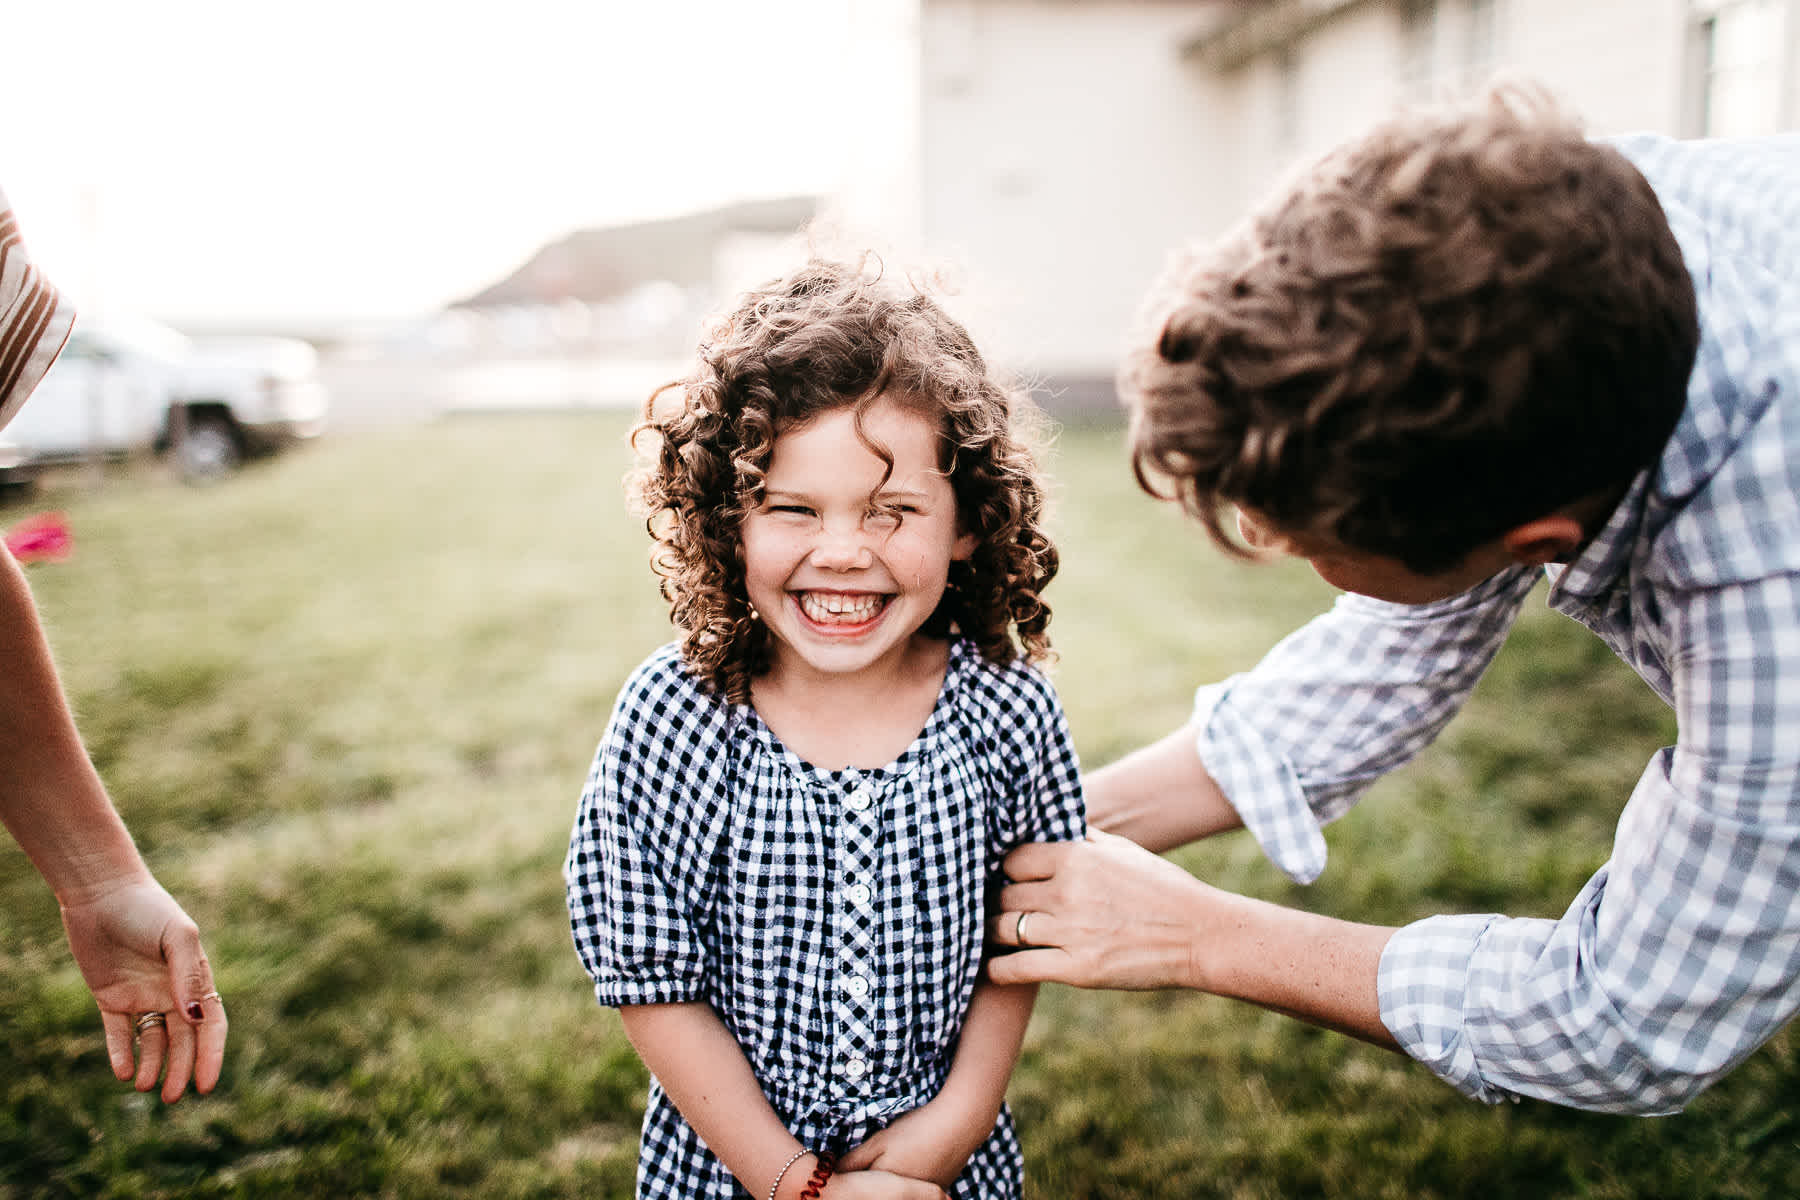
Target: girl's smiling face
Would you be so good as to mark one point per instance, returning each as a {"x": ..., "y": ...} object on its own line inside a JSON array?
[{"x": 843, "y": 559}]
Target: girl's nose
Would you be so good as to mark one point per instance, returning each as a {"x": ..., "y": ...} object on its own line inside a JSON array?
[{"x": 841, "y": 550}]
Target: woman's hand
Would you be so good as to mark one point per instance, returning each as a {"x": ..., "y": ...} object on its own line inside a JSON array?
[
  {"x": 933, "y": 1141},
  {"x": 140, "y": 953}
]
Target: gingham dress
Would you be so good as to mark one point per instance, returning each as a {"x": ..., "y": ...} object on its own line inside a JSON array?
[{"x": 833, "y": 919}]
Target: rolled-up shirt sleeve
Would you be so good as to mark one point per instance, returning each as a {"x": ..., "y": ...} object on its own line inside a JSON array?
[
  {"x": 1682, "y": 953},
  {"x": 1350, "y": 696}
]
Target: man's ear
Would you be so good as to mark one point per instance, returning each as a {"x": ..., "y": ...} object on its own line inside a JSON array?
[{"x": 1545, "y": 540}]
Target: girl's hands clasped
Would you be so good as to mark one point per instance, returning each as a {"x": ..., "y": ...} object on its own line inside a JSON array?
[
  {"x": 931, "y": 1142},
  {"x": 880, "y": 1185}
]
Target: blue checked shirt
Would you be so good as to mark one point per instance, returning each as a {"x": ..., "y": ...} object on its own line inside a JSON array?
[
  {"x": 833, "y": 919},
  {"x": 1682, "y": 953}
]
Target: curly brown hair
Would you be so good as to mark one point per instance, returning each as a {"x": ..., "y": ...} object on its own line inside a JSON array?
[
  {"x": 1462, "y": 321},
  {"x": 828, "y": 336}
]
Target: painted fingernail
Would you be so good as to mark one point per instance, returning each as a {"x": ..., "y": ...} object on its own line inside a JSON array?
[{"x": 195, "y": 1012}]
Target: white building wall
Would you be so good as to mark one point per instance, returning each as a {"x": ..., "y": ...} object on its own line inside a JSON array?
[
  {"x": 1065, "y": 148},
  {"x": 879, "y": 195},
  {"x": 1619, "y": 63},
  {"x": 1344, "y": 77}
]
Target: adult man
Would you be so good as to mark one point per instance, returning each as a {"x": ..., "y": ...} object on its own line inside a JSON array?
[{"x": 1466, "y": 349}]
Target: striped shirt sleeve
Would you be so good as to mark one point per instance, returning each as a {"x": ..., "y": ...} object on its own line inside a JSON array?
[{"x": 35, "y": 318}]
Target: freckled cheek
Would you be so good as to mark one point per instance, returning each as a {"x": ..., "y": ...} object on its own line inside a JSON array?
[
  {"x": 772, "y": 549},
  {"x": 921, "y": 566}
]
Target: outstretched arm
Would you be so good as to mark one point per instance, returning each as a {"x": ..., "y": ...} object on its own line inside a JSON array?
[
  {"x": 136, "y": 948},
  {"x": 1160, "y": 796},
  {"x": 936, "y": 1140},
  {"x": 1106, "y": 913},
  {"x": 704, "y": 1071}
]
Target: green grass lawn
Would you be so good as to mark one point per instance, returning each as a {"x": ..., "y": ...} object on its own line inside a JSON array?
[{"x": 346, "y": 700}]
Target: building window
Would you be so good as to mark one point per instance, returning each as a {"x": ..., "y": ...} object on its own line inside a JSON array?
[{"x": 1741, "y": 67}]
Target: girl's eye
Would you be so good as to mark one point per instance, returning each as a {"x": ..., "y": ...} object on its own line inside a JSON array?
[
  {"x": 799, "y": 510},
  {"x": 884, "y": 518}
]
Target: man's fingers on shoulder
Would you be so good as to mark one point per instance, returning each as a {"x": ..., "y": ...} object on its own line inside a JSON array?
[
  {"x": 1033, "y": 860},
  {"x": 1026, "y": 966},
  {"x": 1101, "y": 838}
]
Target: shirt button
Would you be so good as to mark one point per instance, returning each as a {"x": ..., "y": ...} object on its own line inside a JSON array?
[
  {"x": 859, "y": 799},
  {"x": 857, "y": 893},
  {"x": 855, "y": 1068},
  {"x": 857, "y": 985}
]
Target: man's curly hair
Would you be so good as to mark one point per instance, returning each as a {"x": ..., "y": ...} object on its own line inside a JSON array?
[
  {"x": 1463, "y": 321},
  {"x": 834, "y": 335}
]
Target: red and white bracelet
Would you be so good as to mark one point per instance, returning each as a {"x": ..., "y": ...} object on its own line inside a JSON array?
[{"x": 821, "y": 1176}]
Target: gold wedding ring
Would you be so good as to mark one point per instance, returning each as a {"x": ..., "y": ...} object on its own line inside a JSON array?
[
  {"x": 1019, "y": 929},
  {"x": 151, "y": 1020}
]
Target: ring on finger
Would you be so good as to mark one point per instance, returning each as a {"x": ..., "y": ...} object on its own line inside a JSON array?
[
  {"x": 1019, "y": 929},
  {"x": 150, "y": 1020}
]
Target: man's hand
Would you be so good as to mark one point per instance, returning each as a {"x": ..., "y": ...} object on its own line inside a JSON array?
[
  {"x": 1100, "y": 913},
  {"x": 1107, "y": 913}
]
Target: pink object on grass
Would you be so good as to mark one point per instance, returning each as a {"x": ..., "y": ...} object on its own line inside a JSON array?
[{"x": 42, "y": 538}]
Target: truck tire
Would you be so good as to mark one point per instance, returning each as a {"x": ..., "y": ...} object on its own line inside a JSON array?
[{"x": 207, "y": 448}]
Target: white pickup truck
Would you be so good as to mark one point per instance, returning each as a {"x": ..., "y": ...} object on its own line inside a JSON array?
[{"x": 123, "y": 385}]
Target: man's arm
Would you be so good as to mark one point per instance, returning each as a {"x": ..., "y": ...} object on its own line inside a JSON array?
[
  {"x": 1681, "y": 955},
  {"x": 1159, "y": 796},
  {"x": 1107, "y": 913}
]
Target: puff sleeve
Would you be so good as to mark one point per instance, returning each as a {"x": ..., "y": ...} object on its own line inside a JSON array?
[{"x": 643, "y": 853}]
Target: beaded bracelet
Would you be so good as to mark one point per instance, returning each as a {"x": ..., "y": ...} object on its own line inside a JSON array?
[
  {"x": 782, "y": 1174},
  {"x": 820, "y": 1177}
]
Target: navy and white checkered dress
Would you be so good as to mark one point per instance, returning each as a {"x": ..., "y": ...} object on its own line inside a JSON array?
[{"x": 833, "y": 919}]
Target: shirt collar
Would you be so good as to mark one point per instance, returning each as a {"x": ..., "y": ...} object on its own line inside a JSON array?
[{"x": 1603, "y": 559}]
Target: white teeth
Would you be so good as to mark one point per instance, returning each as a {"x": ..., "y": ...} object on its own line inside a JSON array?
[{"x": 836, "y": 607}]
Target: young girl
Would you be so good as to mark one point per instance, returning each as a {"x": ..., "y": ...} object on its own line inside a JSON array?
[{"x": 780, "y": 866}]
